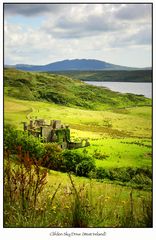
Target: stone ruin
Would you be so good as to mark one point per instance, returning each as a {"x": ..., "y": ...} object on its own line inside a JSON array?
[{"x": 53, "y": 132}]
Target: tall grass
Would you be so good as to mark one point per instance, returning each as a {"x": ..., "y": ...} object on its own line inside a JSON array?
[
  {"x": 23, "y": 183},
  {"x": 30, "y": 201}
]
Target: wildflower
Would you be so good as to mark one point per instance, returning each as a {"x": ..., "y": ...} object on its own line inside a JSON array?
[
  {"x": 41, "y": 209},
  {"x": 54, "y": 208},
  {"x": 67, "y": 206}
]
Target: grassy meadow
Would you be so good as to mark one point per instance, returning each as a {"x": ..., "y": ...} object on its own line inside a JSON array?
[
  {"x": 120, "y": 141},
  {"x": 121, "y": 144}
]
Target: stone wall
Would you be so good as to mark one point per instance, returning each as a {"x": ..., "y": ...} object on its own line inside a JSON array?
[
  {"x": 46, "y": 133},
  {"x": 53, "y": 132}
]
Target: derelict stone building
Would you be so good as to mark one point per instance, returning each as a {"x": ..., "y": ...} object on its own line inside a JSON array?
[{"x": 53, "y": 132}]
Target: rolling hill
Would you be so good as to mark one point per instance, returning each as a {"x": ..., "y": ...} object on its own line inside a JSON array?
[{"x": 65, "y": 91}]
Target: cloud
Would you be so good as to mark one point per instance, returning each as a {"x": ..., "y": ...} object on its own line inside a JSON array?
[
  {"x": 132, "y": 37},
  {"x": 134, "y": 12},
  {"x": 82, "y": 20},
  {"x": 143, "y": 36},
  {"x": 86, "y": 20},
  {"x": 74, "y": 31},
  {"x": 21, "y": 44},
  {"x": 31, "y": 10}
]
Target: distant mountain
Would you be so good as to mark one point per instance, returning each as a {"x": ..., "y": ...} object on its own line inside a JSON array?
[{"x": 72, "y": 65}]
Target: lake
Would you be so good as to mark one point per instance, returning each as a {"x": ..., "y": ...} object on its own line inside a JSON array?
[{"x": 128, "y": 87}]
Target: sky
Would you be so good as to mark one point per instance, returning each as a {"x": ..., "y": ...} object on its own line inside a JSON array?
[{"x": 40, "y": 34}]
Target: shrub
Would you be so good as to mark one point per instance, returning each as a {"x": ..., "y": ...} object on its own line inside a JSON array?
[
  {"x": 102, "y": 173},
  {"x": 79, "y": 163},
  {"x": 71, "y": 160},
  {"x": 85, "y": 167},
  {"x": 141, "y": 179},
  {"x": 145, "y": 171},
  {"x": 136, "y": 176},
  {"x": 15, "y": 139},
  {"x": 52, "y": 157},
  {"x": 120, "y": 174}
]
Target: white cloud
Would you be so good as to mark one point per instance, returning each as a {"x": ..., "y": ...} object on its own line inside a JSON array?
[{"x": 77, "y": 31}]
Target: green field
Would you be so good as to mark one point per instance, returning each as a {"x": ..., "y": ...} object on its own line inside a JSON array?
[
  {"x": 120, "y": 134},
  {"x": 131, "y": 122},
  {"x": 123, "y": 137}
]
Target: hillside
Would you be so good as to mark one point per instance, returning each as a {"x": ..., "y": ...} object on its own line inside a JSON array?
[
  {"x": 120, "y": 149},
  {"x": 74, "y": 64},
  {"x": 111, "y": 76},
  {"x": 65, "y": 91}
]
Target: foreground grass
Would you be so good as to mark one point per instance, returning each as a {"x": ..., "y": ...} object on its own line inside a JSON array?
[
  {"x": 69, "y": 201},
  {"x": 109, "y": 204}
]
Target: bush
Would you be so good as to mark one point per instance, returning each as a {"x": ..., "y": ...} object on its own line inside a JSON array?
[
  {"x": 15, "y": 140},
  {"x": 85, "y": 167},
  {"x": 145, "y": 171},
  {"x": 53, "y": 156},
  {"x": 136, "y": 176},
  {"x": 120, "y": 174},
  {"x": 141, "y": 179},
  {"x": 79, "y": 163},
  {"x": 71, "y": 160},
  {"x": 102, "y": 173}
]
